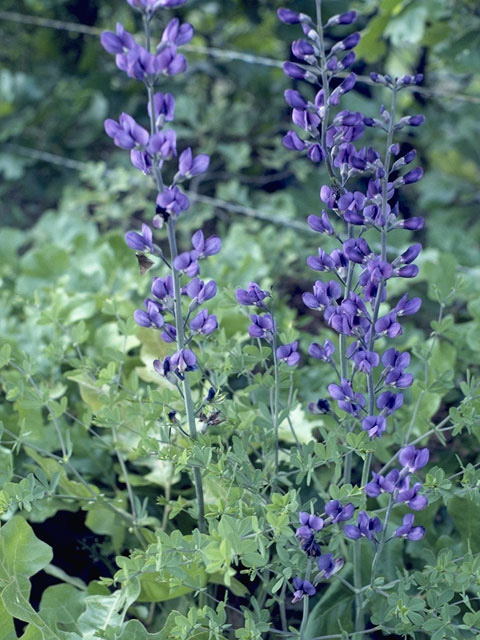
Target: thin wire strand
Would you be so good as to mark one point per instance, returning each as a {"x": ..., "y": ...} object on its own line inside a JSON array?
[{"x": 225, "y": 54}]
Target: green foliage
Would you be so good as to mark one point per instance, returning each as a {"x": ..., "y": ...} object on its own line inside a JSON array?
[{"x": 85, "y": 420}]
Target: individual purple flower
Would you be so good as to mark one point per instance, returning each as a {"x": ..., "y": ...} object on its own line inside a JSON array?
[
  {"x": 343, "y": 18},
  {"x": 337, "y": 512},
  {"x": 199, "y": 292},
  {"x": 169, "y": 62},
  {"x": 292, "y": 142},
  {"x": 187, "y": 262},
  {"x": 253, "y": 295},
  {"x": 413, "y": 459},
  {"x": 163, "y": 368},
  {"x": 173, "y": 201},
  {"x": 405, "y": 307},
  {"x": 288, "y": 353},
  {"x": 321, "y": 225},
  {"x": 163, "y": 143},
  {"x": 183, "y": 360},
  {"x": 389, "y": 402},
  {"x": 393, "y": 359},
  {"x": 324, "y": 293},
  {"x": 189, "y": 166},
  {"x": 411, "y": 496},
  {"x": 365, "y": 361},
  {"x": 310, "y": 524},
  {"x": 295, "y": 99},
  {"x": 388, "y": 325},
  {"x": 350, "y": 42},
  {"x": 205, "y": 248},
  {"x": 322, "y": 262},
  {"x": 328, "y": 566},
  {"x": 204, "y": 323},
  {"x": 347, "y": 400},
  {"x": 141, "y": 161},
  {"x": 375, "y": 425},
  {"x": 164, "y": 108},
  {"x": 140, "y": 241},
  {"x": 262, "y": 326},
  {"x": 366, "y": 527},
  {"x": 126, "y": 133},
  {"x": 322, "y": 353},
  {"x": 302, "y": 588},
  {"x": 162, "y": 288},
  {"x": 407, "y": 530},
  {"x": 388, "y": 484},
  {"x": 152, "y": 317},
  {"x": 396, "y": 378},
  {"x": 176, "y": 34},
  {"x": 169, "y": 333},
  {"x": 119, "y": 42}
]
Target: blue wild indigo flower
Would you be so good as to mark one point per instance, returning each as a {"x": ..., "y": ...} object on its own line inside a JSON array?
[{"x": 352, "y": 298}]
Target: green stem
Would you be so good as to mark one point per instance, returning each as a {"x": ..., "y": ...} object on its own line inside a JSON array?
[
  {"x": 187, "y": 392},
  {"x": 179, "y": 323},
  {"x": 379, "y": 549}
]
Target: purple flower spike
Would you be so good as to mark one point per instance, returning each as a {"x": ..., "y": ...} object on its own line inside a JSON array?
[
  {"x": 407, "y": 530},
  {"x": 302, "y": 588},
  {"x": 328, "y": 566},
  {"x": 140, "y": 241},
  {"x": 289, "y": 354},
  {"x": 413, "y": 459}
]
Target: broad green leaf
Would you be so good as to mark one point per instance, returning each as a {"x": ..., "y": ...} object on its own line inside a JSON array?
[{"x": 21, "y": 552}]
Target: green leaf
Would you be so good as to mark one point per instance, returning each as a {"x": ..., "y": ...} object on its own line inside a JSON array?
[
  {"x": 466, "y": 515},
  {"x": 62, "y": 604},
  {"x": 6, "y": 624},
  {"x": 21, "y": 552},
  {"x": 5, "y": 353}
]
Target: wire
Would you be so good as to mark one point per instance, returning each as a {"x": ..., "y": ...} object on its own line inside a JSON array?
[{"x": 225, "y": 54}]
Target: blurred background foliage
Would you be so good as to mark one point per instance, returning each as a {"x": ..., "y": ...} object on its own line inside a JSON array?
[{"x": 67, "y": 196}]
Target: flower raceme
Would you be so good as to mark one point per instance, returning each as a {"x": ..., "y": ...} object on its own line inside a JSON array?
[{"x": 353, "y": 297}]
